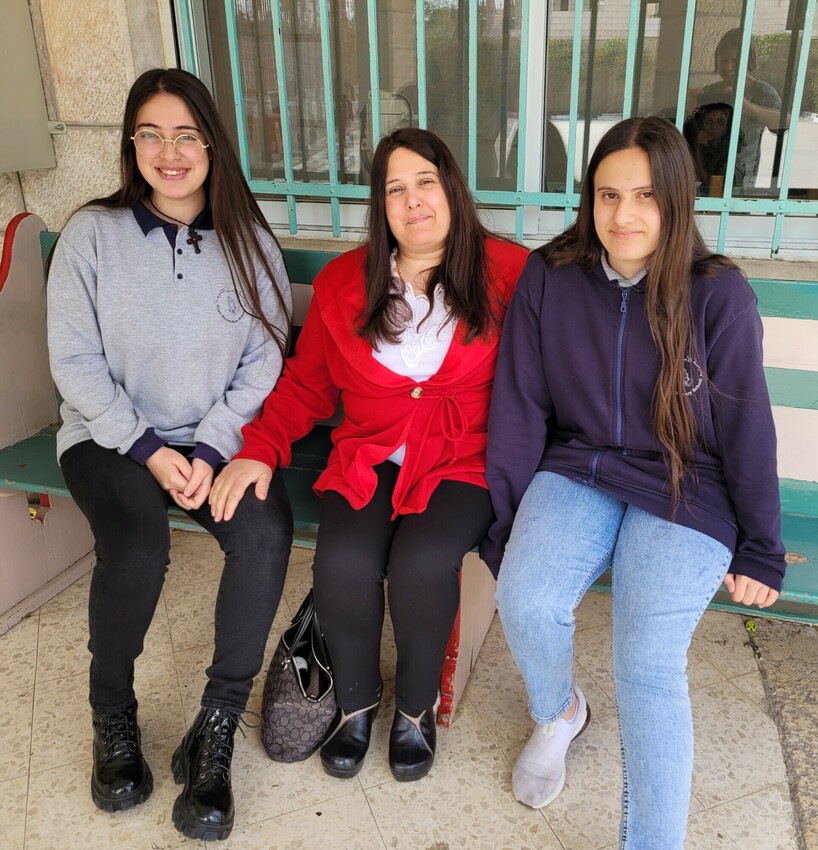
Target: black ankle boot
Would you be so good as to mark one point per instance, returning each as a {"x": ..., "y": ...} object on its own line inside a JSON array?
[
  {"x": 202, "y": 761},
  {"x": 344, "y": 748},
  {"x": 121, "y": 777},
  {"x": 412, "y": 744}
]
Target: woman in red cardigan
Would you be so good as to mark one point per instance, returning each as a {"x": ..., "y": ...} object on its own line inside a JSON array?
[{"x": 405, "y": 330}]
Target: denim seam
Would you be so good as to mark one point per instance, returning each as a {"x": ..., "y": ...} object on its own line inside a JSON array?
[{"x": 623, "y": 826}]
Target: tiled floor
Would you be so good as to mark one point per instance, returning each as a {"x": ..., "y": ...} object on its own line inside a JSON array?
[{"x": 740, "y": 796}]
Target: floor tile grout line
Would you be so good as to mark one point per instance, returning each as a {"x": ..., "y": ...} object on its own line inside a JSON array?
[
  {"x": 371, "y": 812},
  {"x": 31, "y": 733},
  {"x": 738, "y": 841}
]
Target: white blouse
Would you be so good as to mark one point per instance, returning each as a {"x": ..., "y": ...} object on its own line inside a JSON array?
[{"x": 422, "y": 347}]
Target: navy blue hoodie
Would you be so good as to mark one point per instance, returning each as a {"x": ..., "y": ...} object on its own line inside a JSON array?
[{"x": 573, "y": 392}]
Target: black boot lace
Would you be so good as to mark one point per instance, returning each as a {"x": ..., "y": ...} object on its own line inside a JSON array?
[
  {"x": 118, "y": 734},
  {"x": 216, "y": 751}
]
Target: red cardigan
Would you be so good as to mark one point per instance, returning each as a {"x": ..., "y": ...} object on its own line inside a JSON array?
[{"x": 443, "y": 420}]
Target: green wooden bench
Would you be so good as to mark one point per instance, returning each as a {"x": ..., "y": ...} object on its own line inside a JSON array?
[{"x": 789, "y": 310}]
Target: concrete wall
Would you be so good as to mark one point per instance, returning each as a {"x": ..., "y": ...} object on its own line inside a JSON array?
[{"x": 89, "y": 54}]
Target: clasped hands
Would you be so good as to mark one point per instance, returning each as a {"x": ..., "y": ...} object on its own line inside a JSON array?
[{"x": 188, "y": 483}]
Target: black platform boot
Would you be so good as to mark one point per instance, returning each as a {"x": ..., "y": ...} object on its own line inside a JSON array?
[
  {"x": 412, "y": 744},
  {"x": 202, "y": 761},
  {"x": 121, "y": 777},
  {"x": 344, "y": 748}
]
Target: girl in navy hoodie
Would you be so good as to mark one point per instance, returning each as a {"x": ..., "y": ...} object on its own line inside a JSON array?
[{"x": 630, "y": 428}]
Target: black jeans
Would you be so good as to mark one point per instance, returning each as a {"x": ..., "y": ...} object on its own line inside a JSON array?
[
  {"x": 420, "y": 555},
  {"x": 127, "y": 510}
]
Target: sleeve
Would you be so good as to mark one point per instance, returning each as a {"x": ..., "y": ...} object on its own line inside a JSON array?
[
  {"x": 766, "y": 95},
  {"x": 258, "y": 370},
  {"x": 520, "y": 407},
  {"x": 77, "y": 355},
  {"x": 745, "y": 432},
  {"x": 305, "y": 394}
]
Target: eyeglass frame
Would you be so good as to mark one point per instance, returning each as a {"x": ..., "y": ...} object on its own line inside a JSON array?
[{"x": 172, "y": 141}]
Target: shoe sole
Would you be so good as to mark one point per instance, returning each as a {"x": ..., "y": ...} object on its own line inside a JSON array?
[
  {"x": 121, "y": 804},
  {"x": 195, "y": 829},
  {"x": 561, "y": 783},
  {"x": 342, "y": 774},
  {"x": 190, "y": 827},
  {"x": 413, "y": 775}
]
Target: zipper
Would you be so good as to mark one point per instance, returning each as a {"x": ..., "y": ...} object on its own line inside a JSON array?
[
  {"x": 623, "y": 311},
  {"x": 594, "y": 465}
]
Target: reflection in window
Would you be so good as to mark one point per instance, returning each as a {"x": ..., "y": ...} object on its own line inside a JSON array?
[{"x": 768, "y": 114}]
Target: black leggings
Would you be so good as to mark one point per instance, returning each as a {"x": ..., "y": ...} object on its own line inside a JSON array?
[
  {"x": 420, "y": 555},
  {"x": 127, "y": 510}
]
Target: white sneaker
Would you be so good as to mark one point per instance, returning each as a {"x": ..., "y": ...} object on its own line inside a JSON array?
[{"x": 538, "y": 775}]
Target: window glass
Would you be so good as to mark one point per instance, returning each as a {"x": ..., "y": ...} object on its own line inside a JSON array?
[{"x": 769, "y": 116}]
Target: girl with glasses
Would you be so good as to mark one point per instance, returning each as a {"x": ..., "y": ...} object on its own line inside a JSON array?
[
  {"x": 168, "y": 317},
  {"x": 630, "y": 428}
]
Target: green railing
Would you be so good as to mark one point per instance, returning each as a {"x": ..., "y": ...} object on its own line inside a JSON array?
[{"x": 776, "y": 202}]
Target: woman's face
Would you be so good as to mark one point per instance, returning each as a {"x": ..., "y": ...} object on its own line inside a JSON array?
[
  {"x": 727, "y": 64},
  {"x": 417, "y": 208},
  {"x": 177, "y": 181},
  {"x": 626, "y": 215}
]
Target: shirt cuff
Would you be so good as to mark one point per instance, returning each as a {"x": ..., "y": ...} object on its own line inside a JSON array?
[
  {"x": 206, "y": 453},
  {"x": 145, "y": 446}
]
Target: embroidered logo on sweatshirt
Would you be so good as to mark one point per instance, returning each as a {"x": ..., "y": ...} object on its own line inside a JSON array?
[
  {"x": 694, "y": 376},
  {"x": 228, "y": 307}
]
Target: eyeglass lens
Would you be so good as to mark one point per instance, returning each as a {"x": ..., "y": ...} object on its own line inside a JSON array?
[{"x": 149, "y": 143}]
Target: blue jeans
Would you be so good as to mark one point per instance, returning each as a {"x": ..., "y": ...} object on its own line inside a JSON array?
[{"x": 565, "y": 535}]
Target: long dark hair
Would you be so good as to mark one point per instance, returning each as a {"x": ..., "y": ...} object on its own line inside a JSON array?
[
  {"x": 463, "y": 270},
  {"x": 680, "y": 254},
  {"x": 236, "y": 215}
]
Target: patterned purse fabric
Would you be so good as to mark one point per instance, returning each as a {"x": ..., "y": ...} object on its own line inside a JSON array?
[{"x": 298, "y": 703}]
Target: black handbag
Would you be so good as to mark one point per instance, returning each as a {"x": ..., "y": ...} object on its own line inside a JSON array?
[{"x": 298, "y": 702}]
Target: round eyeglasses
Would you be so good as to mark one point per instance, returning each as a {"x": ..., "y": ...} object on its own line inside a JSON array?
[{"x": 151, "y": 144}]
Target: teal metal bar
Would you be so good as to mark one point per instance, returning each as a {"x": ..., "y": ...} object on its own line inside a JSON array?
[
  {"x": 550, "y": 200},
  {"x": 238, "y": 89},
  {"x": 374, "y": 70},
  {"x": 184, "y": 19},
  {"x": 522, "y": 113},
  {"x": 797, "y": 95},
  {"x": 472, "y": 117},
  {"x": 420, "y": 20},
  {"x": 684, "y": 64},
  {"x": 284, "y": 114},
  {"x": 308, "y": 190},
  {"x": 329, "y": 110},
  {"x": 632, "y": 59},
  {"x": 735, "y": 126},
  {"x": 724, "y": 221},
  {"x": 573, "y": 110},
  {"x": 759, "y": 205}
]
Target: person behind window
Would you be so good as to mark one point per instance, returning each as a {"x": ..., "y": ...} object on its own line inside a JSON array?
[
  {"x": 713, "y": 115},
  {"x": 405, "y": 330},
  {"x": 168, "y": 318},
  {"x": 630, "y": 428}
]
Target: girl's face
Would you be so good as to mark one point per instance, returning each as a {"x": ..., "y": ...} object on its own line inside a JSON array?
[
  {"x": 177, "y": 181},
  {"x": 626, "y": 215},
  {"x": 417, "y": 208}
]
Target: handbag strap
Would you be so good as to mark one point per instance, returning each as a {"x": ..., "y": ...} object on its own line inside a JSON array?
[{"x": 305, "y": 618}]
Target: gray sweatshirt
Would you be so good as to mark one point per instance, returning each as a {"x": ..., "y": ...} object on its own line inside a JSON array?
[{"x": 144, "y": 335}]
